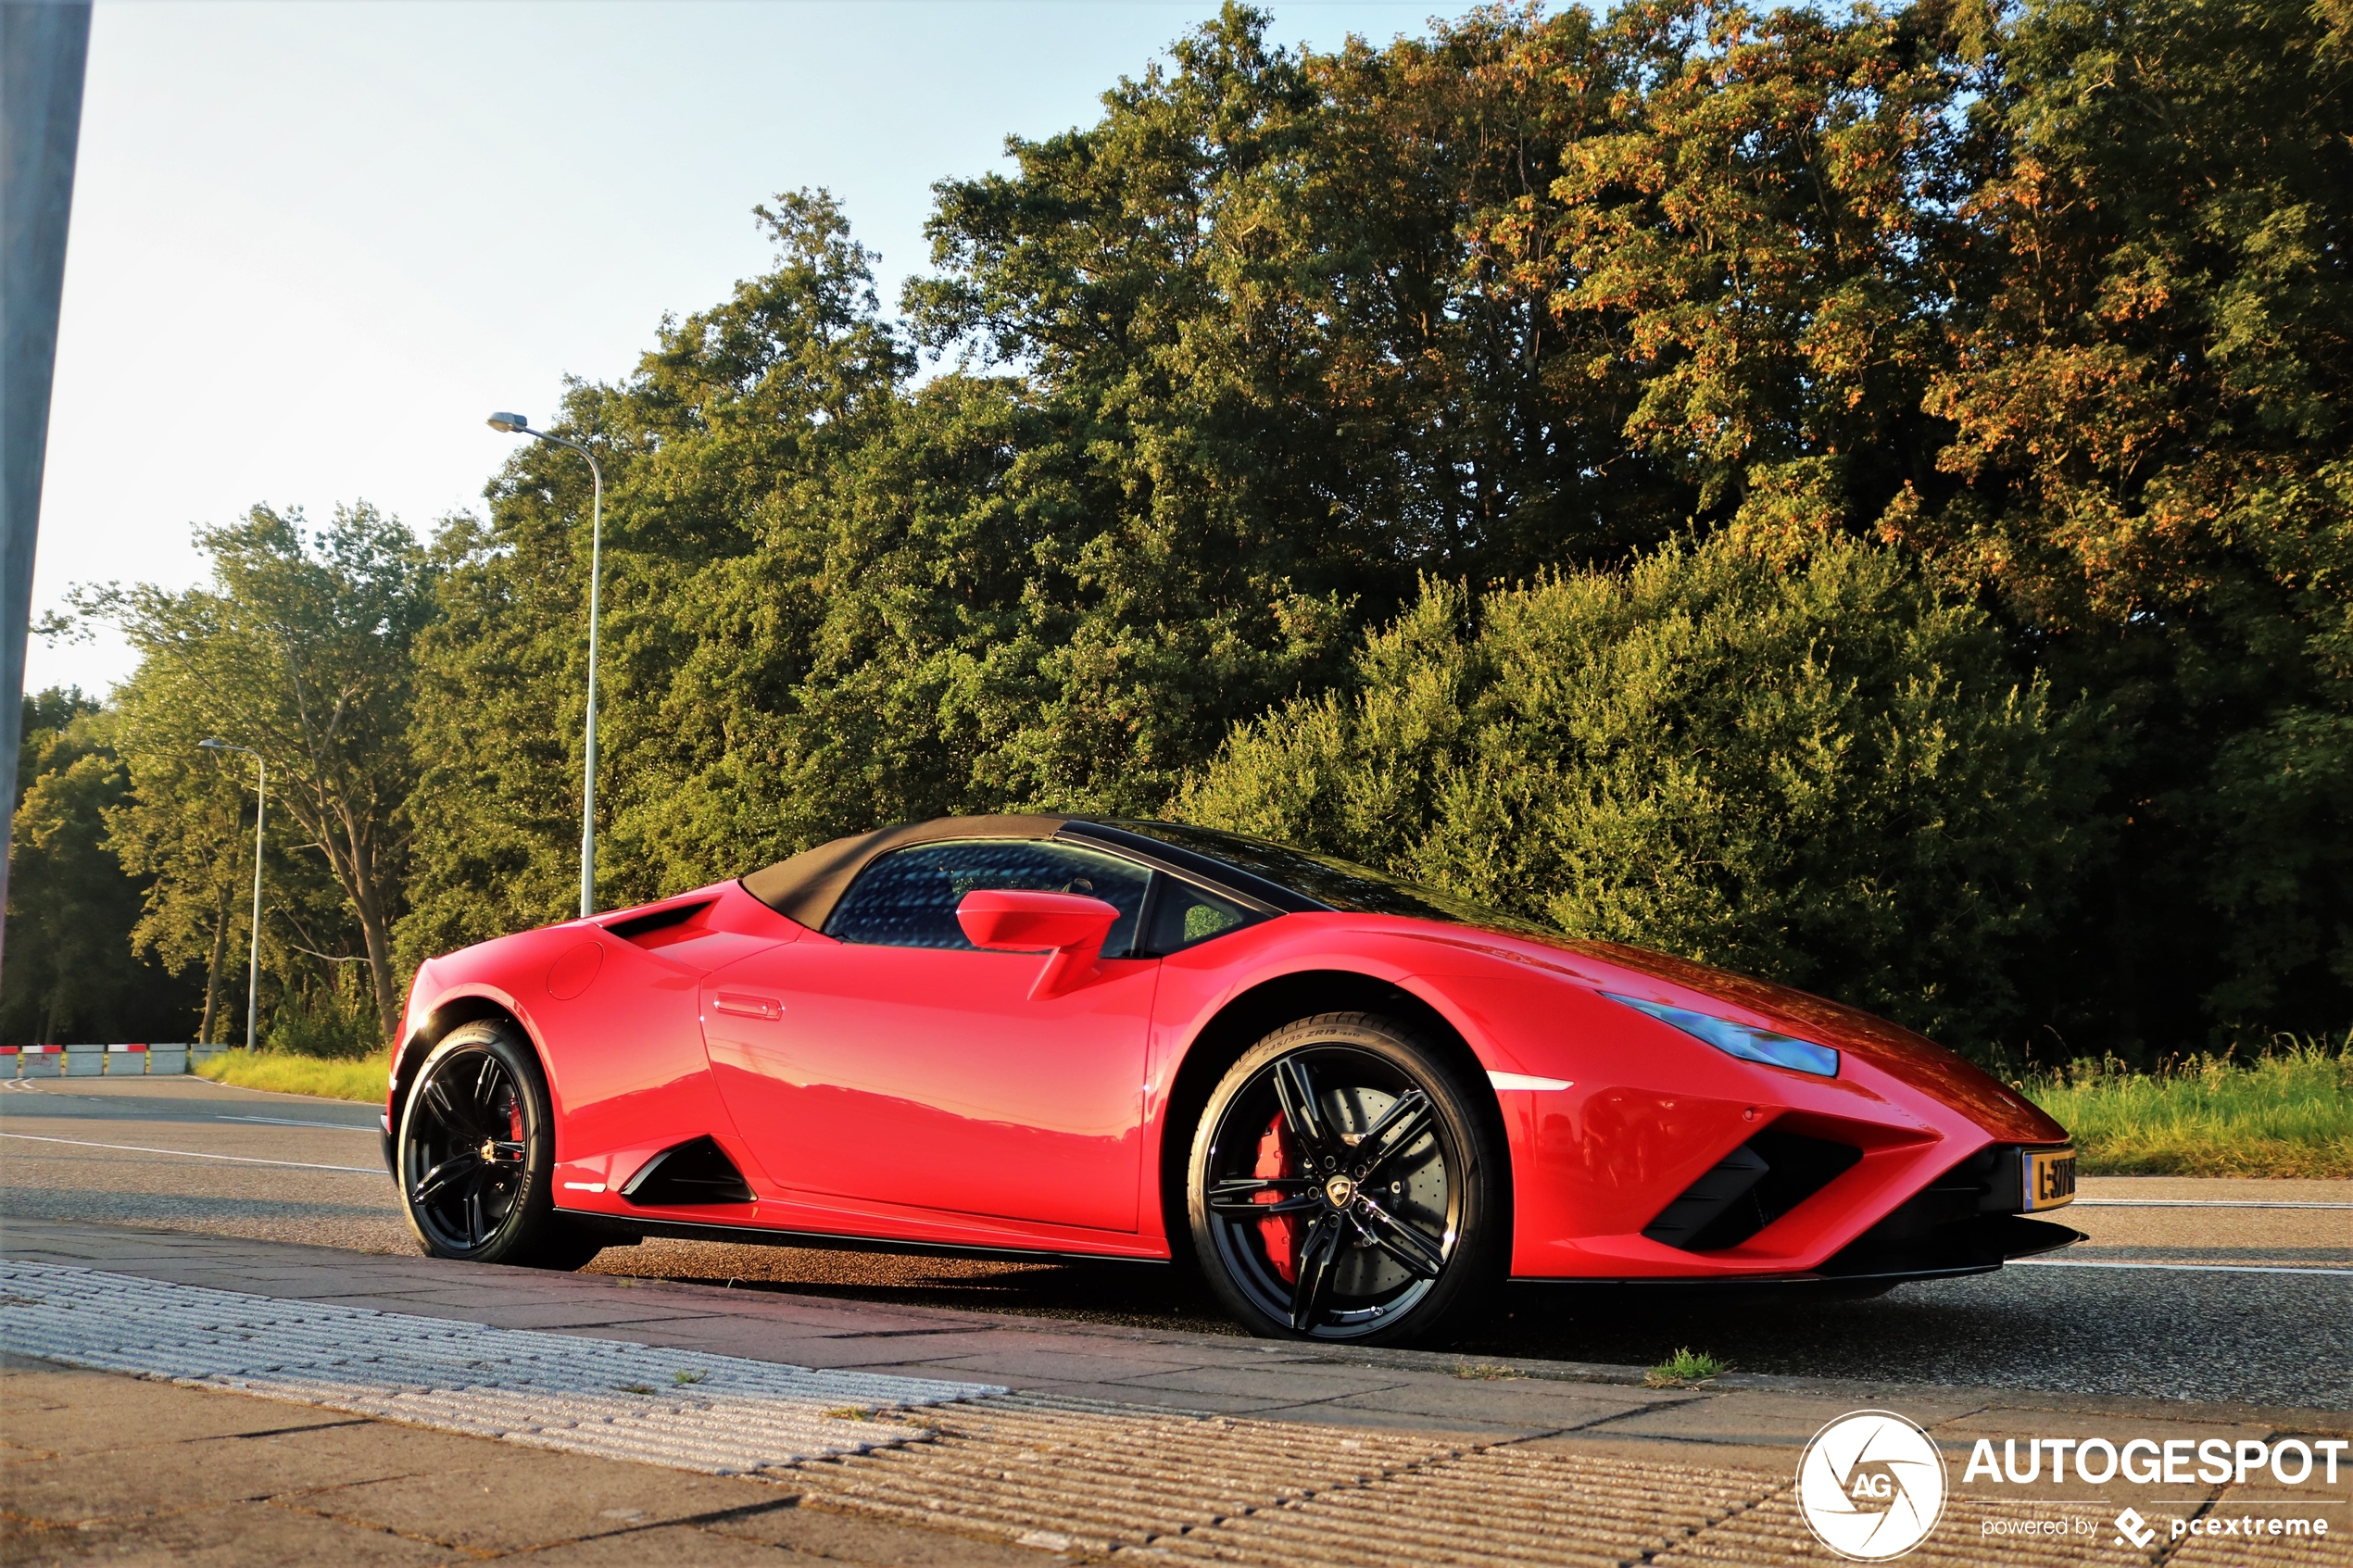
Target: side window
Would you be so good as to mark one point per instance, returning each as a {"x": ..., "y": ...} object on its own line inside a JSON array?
[
  {"x": 908, "y": 898},
  {"x": 1184, "y": 914}
]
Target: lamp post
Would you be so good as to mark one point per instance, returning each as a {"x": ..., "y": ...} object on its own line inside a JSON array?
[
  {"x": 260, "y": 809},
  {"x": 519, "y": 424}
]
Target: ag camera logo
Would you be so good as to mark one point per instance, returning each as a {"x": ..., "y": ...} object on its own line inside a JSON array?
[{"x": 1871, "y": 1486}]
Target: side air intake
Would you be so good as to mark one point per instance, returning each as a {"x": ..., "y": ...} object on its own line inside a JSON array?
[
  {"x": 662, "y": 927},
  {"x": 694, "y": 1172},
  {"x": 1749, "y": 1188}
]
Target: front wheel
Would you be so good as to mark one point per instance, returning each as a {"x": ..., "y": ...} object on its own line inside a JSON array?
[
  {"x": 1347, "y": 1185},
  {"x": 477, "y": 1155}
]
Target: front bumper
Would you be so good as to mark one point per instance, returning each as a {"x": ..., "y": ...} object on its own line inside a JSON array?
[{"x": 1968, "y": 1219}]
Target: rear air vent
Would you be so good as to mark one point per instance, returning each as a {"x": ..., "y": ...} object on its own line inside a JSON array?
[
  {"x": 1749, "y": 1188},
  {"x": 694, "y": 1172},
  {"x": 660, "y": 928}
]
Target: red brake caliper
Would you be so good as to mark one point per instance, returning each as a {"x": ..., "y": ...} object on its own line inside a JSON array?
[
  {"x": 1282, "y": 1231},
  {"x": 514, "y": 1123}
]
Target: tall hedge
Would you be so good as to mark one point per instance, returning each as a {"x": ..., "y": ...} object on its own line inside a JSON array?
[{"x": 1822, "y": 772}]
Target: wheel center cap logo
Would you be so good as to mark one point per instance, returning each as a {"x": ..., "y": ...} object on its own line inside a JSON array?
[
  {"x": 1871, "y": 1486},
  {"x": 1340, "y": 1190}
]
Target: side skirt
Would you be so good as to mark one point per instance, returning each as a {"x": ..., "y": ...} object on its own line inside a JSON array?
[{"x": 635, "y": 1225}]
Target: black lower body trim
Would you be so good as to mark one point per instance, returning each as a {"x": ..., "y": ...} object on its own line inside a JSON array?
[
  {"x": 759, "y": 1235},
  {"x": 1973, "y": 1246}
]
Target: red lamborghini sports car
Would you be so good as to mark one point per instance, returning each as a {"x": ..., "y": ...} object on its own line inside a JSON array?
[{"x": 1357, "y": 1105}]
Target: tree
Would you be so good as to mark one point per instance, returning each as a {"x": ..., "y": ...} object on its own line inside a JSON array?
[
  {"x": 184, "y": 827},
  {"x": 720, "y": 457},
  {"x": 300, "y": 650},
  {"x": 1822, "y": 773},
  {"x": 72, "y": 974},
  {"x": 1755, "y": 233},
  {"x": 2150, "y": 468}
]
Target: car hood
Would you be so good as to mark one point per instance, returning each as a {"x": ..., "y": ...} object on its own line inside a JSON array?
[{"x": 1908, "y": 1058}]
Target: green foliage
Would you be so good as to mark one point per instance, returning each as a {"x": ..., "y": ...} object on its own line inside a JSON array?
[
  {"x": 725, "y": 461},
  {"x": 71, "y": 977},
  {"x": 2148, "y": 464},
  {"x": 1822, "y": 773},
  {"x": 299, "y": 650},
  {"x": 2285, "y": 1111},
  {"x": 333, "y": 1017},
  {"x": 1757, "y": 226},
  {"x": 1200, "y": 412},
  {"x": 1685, "y": 1368}
]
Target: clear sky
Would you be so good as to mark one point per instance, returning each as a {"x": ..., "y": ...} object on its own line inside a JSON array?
[{"x": 314, "y": 245}]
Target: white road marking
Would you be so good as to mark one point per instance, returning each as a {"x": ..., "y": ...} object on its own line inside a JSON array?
[
  {"x": 718, "y": 1414},
  {"x": 338, "y": 1127},
  {"x": 192, "y": 1154},
  {"x": 2201, "y": 1203},
  {"x": 2181, "y": 1268}
]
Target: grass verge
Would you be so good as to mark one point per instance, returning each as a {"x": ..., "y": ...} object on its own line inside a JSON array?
[
  {"x": 359, "y": 1078},
  {"x": 2285, "y": 1113}
]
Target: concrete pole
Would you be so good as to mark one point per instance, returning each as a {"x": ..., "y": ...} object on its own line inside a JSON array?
[
  {"x": 520, "y": 424},
  {"x": 253, "y": 964},
  {"x": 588, "y": 762},
  {"x": 43, "y": 44}
]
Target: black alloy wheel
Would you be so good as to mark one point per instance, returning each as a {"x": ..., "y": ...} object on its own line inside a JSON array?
[
  {"x": 477, "y": 1154},
  {"x": 1343, "y": 1185}
]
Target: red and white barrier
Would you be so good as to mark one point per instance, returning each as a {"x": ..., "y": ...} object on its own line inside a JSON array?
[{"x": 90, "y": 1062}]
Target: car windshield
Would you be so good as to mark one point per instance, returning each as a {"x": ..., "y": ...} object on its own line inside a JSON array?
[{"x": 1328, "y": 879}]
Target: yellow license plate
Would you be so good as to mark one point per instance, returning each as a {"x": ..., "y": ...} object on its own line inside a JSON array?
[{"x": 2050, "y": 1178}]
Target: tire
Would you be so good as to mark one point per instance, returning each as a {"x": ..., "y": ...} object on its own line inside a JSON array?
[
  {"x": 477, "y": 1155},
  {"x": 1378, "y": 1246}
]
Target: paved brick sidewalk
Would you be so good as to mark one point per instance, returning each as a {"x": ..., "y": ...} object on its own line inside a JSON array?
[
  {"x": 112, "y": 1469},
  {"x": 1116, "y": 1442}
]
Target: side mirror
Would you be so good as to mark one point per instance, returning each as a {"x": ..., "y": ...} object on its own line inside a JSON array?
[{"x": 1069, "y": 927}]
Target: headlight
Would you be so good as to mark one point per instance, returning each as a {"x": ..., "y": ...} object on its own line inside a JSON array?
[{"x": 1745, "y": 1041}]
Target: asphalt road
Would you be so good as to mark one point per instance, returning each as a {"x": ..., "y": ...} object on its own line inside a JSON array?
[{"x": 2225, "y": 1303}]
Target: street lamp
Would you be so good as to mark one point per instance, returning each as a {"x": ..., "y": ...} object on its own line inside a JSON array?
[
  {"x": 260, "y": 808},
  {"x": 520, "y": 424}
]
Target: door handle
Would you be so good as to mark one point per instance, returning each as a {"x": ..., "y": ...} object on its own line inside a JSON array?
[{"x": 745, "y": 1006}]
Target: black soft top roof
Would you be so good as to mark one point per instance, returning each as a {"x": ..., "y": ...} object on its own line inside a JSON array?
[{"x": 1273, "y": 878}]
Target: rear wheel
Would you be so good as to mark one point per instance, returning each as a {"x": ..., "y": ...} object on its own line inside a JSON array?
[
  {"x": 477, "y": 1155},
  {"x": 1347, "y": 1185}
]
